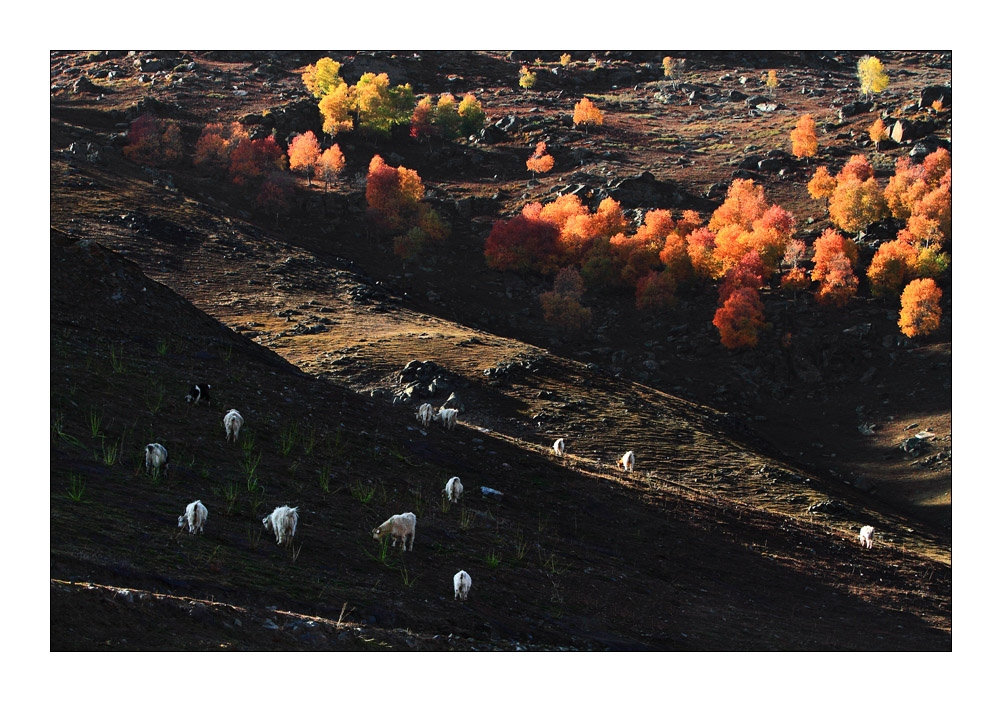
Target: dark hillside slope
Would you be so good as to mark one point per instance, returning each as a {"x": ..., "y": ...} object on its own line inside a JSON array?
[{"x": 572, "y": 555}]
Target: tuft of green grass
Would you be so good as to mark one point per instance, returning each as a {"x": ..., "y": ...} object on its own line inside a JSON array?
[
  {"x": 408, "y": 581},
  {"x": 383, "y": 555},
  {"x": 94, "y": 423},
  {"x": 362, "y": 493},
  {"x": 155, "y": 397},
  {"x": 309, "y": 440},
  {"x": 117, "y": 359},
  {"x": 162, "y": 346},
  {"x": 77, "y": 486},
  {"x": 492, "y": 560},
  {"x": 324, "y": 475},
  {"x": 108, "y": 454},
  {"x": 521, "y": 545},
  {"x": 466, "y": 518},
  {"x": 287, "y": 438},
  {"x": 231, "y": 492}
]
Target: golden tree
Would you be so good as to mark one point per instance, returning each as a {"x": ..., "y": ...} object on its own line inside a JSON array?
[
  {"x": 322, "y": 77},
  {"x": 872, "y": 78},
  {"x": 587, "y": 114},
  {"x": 920, "y": 310},
  {"x": 771, "y": 81},
  {"x": 878, "y": 132},
  {"x": 526, "y": 78},
  {"x": 804, "y": 137},
  {"x": 565, "y": 60},
  {"x": 822, "y": 184}
]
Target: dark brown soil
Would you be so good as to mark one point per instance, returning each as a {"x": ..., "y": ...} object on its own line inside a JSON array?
[{"x": 752, "y": 475}]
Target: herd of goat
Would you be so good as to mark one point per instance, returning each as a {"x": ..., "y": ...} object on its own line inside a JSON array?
[{"x": 400, "y": 528}]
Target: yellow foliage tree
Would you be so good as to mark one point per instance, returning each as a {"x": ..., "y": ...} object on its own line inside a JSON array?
[
  {"x": 872, "y": 78},
  {"x": 322, "y": 77}
]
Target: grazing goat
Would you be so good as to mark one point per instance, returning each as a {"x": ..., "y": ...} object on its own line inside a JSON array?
[
  {"x": 425, "y": 414},
  {"x": 453, "y": 489},
  {"x": 866, "y": 536},
  {"x": 626, "y": 462},
  {"x": 199, "y": 393},
  {"x": 462, "y": 582},
  {"x": 401, "y": 527},
  {"x": 558, "y": 447},
  {"x": 448, "y": 417},
  {"x": 156, "y": 457},
  {"x": 282, "y": 521},
  {"x": 195, "y": 515},
  {"x": 233, "y": 421}
]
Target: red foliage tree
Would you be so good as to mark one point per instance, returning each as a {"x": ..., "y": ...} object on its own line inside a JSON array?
[
  {"x": 920, "y": 309},
  {"x": 748, "y": 273},
  {"x": 152, "y": 142},
  {"x": 522, "y": 244},
  {"x": 329, "y": 165},
  {"x": 422, "y": 126},
  {"x": 253, "y": 160},
  {"x": 393, "y": 194},
  {"x": 701, "y": 247},
  {"x": 834, "y": 257},
  {"x": 740, "y": 319},
  {"x": 857, "y": 167},
  {"x": 655, "y": 291}
]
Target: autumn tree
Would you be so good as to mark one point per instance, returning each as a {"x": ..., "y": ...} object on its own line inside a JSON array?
[
  {"x": 822, "y": 184},
  {"x": 795, "y": 279},
  {"x": 540, "y": 161},
  {"x": 526, "y": 78},
  {"x": 393, "y": 194},
  {"x": 381, "y": 106},
  {"x": 254, "y": 160},
  {"x": 216, "y": 144},
  {"x": 745, "y": 222},
  {"x": 771, "y": 81},
  {"x": 747, "y": 273},
  {"x": 322, "y": 77},
  {"x": 920, "y": 308},
  {"x": 878, "y": 133},
  {"x": 329, "y": 165},
  {"x": 872, "y": 78},
  {"x": 522, "y": 244},
  {"x": 562, "y": 305},
  {"x": 446, "y": 118},
  {"x": 834, "y": 258},
  {"x": 804, "y": 137},
  {"x": 471, "y": 115},
  {"x": 891, "y": 267},
  {"x": 304, "y": 152},
  {"x": 655, "y": 291},
  {"x": 740, "y": 318},
  {"x": 565, "y": 60},
  {"x": 587, "y": 114},
  {"x": 701, "y": 247},
  {"x": 336, "y": 108},
  {"x": 857, "y": 200},
  {"x": 152, "y": 142},
  {"x": 422, "y": 121},
  {"x": 276, "y": 193}
]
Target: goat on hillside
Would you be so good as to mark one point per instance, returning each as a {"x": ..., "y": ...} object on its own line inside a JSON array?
[
  {"x": 195, "y": 516},
  {"x": 156, "y": 457},
  {"x": 627, "y": 461},
  {"x": 453, "y": 489},
  {"x": 400, "y": 527},
  {"x": 866, "y": 537},
  {"x": 462, "y": 582},
  {"x": 447, "y": 417},
  {"x": 282, "y": 521},
  {"x": 425, "y": 413},
  {"x": 558, "y": 447},
  {"x": 199, "y": 393},
  {"x": 232, "y": 422}
]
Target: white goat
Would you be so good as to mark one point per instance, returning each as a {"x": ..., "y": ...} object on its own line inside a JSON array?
[
  {"x": 425, "y": 414},
  {"x": 232, "y": 422},
  {"x": 558, "y": 447},
  {"x": 401, "y": 527},
  {"x": 282, "y": 521},
  {"x": 866, "y": 536},
  {"x": 447, "y": 417},
  {"x": 453, "y": 489},
  {"x": 156, "y": 457},
  {"x": 627, "y": 461},
  {"x": 462, "y": 582},
  {"x": 195, "y": 516}
]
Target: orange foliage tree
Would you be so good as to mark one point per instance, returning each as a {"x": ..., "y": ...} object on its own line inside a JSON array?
[
  {"x": 795, "y": 279},
  {"x": 540, "y": 161},
  {"x": 329, "y": 165},
  {"x": 745, "y": 222},
  {"x": 216, "y": 145},
  {"x": 747, "y": 273},
  {"x": 920, "y": 310},
  {"x": 858, "y": 200},
  {"x": 834, "y": 258},
  {"x": 152, "y": 142},
  {"x": 804, "y": 137},
  {"x": 891, "y": 266},
  {"x": 740, "y": 319},
  {"x": 393, "y": 194},
  {"x": 822, "y": 184},
  {"x": 587, "y": 114},
  {"x": 701, "y": 247},
  {"x": 304, "y": 152},
  {"x": 254, "y": 159},
  {"x": 878, "y": 132}
]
